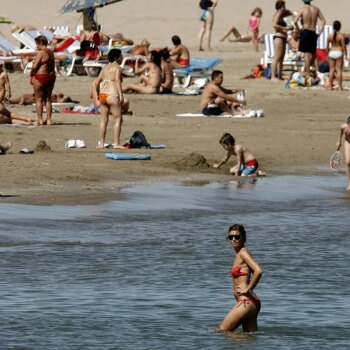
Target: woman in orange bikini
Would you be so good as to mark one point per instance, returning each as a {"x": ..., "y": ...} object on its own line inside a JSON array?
[
  {"x": 246, "y": 274},
  {"x": 108, "y": 89},
  {"x": 43, "y": 77}
]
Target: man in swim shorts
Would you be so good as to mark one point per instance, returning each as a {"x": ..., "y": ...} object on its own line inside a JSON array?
[
  {"x": 181, "y": 53},
  {"x": 247, "y": 165},
  {"x": 216, "y": 99},
  {"x": 309, "y": 15}
]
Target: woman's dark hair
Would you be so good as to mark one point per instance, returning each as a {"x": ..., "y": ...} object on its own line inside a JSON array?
[
  {"x": 113, "y": 55},
  {"x": 336, "y": 27},
  {"x": 164, "y": 53},
  {"x": 240, "y": 228},
  {"x": 280, "y": 4},
  {"x": 41, "y": 39},
  {"x": 155, "y": 57}
]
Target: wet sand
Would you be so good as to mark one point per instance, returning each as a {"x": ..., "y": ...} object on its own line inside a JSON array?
[{"x": 296, "y": 136}]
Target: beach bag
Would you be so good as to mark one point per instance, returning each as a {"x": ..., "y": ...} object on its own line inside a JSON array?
[{"x": 138, "y": 140}]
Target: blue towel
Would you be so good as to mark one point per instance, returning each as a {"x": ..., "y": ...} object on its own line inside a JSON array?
[{"x": 119, "y": 156}]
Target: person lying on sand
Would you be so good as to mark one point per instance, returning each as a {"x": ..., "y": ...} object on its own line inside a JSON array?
[
  {"x": 141, "y": 49},
  {"x": 216, "y": 99},
  {"x": 7, "y": 117},
  {"x": 247, "y": 165},
  {"x": 5, "y": 147},
  {"x": 29, "y": 99}
]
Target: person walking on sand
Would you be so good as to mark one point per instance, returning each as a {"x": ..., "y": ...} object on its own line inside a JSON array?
[
  {"x": 246, "y": 274},
  {"x": 345, "y": 130},
  {"x": 108, "y": 90},
  {"x": 247, "y": 164},
  {"x": 216, "y": 99},
  {"x": 336, "y": 51},
  {"x": 207, "y": 19},
  {"x": 5, "y": 85},
  {"x": 43, "y": 77},
  {"x": 309, "y": 15}
]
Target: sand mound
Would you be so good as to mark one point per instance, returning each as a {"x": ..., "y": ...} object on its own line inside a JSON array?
[
  {"x": 42, "y": 146},
  {"x": 193, "y": 160}
]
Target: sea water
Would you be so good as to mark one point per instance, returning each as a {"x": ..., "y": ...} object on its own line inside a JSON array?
[{"x": 151, "y": 271}]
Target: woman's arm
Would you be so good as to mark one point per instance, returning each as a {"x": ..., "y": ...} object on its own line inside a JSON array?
[
  {"x": 255, "y": 267},
  {"x": 118, "y": 82},
  {"x": 341, "y": 131},
  {"x": 141, "y": 70},
  {"x": 7, "y": 82},
  {"x": 36, "y": 63}
]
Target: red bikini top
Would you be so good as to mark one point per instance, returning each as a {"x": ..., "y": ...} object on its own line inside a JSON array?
[{"x": 236, "y": 272}]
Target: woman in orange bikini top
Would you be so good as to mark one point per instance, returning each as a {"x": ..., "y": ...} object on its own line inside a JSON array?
[{"x": 246, "y": 273}]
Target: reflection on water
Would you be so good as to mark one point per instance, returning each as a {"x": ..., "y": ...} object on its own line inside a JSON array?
[{"x": 152, "y": 271}]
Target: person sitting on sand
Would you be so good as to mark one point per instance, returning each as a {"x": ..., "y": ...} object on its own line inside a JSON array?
[
  {"x": 247, "y": 165},
  {"x": 147, "y": 84},
  {"x": 216, "y": 99},
  {"x": 10, "y": 117},
  {"x": 4, "y": 83},
  {"x": 345, "y": 130},
  {"x": 5, "y": 147},
  {"x": 167, "y": 72},
  {"x": 252, "y": 32},
  {"x": 181, "y": 53}
]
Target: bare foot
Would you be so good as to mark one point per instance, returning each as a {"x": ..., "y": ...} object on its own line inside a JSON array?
[
  {"x": 48, "y": 122},
  {"x": 128, "y": 113},
  {"x": 4, "y": 148},
  {"x": 100, "y": 145},
  {"x": 115, "y": 146}
]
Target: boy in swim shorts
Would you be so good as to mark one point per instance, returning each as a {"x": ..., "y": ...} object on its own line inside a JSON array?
[{"x": 247, "y": 165}]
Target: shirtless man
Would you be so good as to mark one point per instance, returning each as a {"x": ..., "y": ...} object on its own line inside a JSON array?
[
  {"x": 247, "y": 165},
  {"x": 309, "y": 15},
  {"x": 216, "y": 99},
  {"x": 4, "y": 83},
  {"x": 181, "y": 53},
  {"x": 5, "y": 147},
  {"x": 345, "y": 129},
  {"x": 7, "y": 117}
]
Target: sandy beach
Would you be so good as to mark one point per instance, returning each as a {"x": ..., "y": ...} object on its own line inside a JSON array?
[{"x": 296, "y": 136}]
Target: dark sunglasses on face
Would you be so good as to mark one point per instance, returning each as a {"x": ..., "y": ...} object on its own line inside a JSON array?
[{"x": 235, "y": 237}]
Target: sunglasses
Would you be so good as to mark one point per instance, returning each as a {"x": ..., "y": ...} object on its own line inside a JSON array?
[{"x": 235, "y": 237}]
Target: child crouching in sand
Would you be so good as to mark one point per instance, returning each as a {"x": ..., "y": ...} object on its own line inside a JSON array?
[{"x": 247, "y": 165}]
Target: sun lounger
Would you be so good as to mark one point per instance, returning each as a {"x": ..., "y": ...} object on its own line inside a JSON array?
[
  {"x": 93, "y": 68},
  {"x": 269, "y": 53},
  {"x": 198, "y": 68}
]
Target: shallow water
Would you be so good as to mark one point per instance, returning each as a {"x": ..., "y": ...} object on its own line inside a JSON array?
[{"x": 152, "y": 271}]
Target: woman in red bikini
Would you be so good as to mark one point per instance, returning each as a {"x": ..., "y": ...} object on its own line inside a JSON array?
[
  {"x": 43, "y": 77},
  {"x": 246, "y": 274}
]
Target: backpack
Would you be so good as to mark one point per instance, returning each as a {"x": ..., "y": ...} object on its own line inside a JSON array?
[{"x": 138, "y": 140}]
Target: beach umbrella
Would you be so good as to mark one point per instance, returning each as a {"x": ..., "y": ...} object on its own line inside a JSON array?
[
  {"x": 79, "y": 5},
  {"x": 5, "y": 20}
]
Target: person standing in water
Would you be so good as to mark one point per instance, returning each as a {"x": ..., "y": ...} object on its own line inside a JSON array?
[
  {"x": 246, "y": 273},
  {"x": 345, "y": 130}
]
